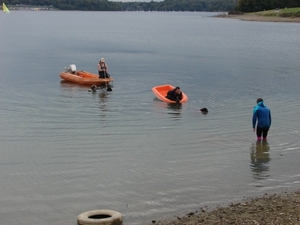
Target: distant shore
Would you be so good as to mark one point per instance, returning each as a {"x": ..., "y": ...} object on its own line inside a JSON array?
[
  {"x": 279, "y": 209},
  {"x": 253, "y": 17}
]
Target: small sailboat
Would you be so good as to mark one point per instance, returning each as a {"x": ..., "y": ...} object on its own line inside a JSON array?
[{"x": 5, "y": 9}]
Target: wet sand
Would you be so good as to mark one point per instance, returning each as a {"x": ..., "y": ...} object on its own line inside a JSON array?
[
  {"x": 273, "y": 209},
  {"x": 253, "y": 17}
]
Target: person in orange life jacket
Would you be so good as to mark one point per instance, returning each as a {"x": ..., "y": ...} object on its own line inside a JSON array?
[
  {"x": 261, "y": 114},
  {"x": 102, "y": 69},
  {"x": 175, "y": 94}
]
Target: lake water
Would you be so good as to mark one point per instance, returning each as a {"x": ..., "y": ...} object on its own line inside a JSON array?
[{"x": 64, "y": 150}]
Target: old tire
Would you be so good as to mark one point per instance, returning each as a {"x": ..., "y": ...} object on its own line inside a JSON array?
[{"x": 100, "y": 217}]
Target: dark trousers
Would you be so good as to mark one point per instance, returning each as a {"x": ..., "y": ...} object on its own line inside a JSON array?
[
  {"x": 103, "y": 75},
  {"x": 262, "y": 131}
]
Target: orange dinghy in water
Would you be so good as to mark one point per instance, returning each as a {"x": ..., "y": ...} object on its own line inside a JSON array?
[
  {"x": 83, "y": 77},
  {"x": 162, "y": 90}
]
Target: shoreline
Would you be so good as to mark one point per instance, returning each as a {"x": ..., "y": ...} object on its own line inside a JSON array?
[
  {"x": 279, "y": 209},
  {"x": 252, "y": 17}
]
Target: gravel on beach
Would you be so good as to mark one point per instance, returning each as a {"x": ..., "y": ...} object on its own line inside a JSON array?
[{"x": 283, "y": 209}]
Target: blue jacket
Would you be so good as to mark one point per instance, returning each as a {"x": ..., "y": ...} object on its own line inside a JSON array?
[{"x": 262, "y": 114}]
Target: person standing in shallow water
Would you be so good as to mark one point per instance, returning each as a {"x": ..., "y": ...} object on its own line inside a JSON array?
[
  {"x": 261, "y": 115},
  {"x": 102, "y": 69}
]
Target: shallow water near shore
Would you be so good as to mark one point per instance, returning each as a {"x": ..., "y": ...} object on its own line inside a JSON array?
[{"x": 64, "y": 150}]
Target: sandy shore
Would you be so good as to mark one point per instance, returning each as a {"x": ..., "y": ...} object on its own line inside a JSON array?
[
  {"x": 252, "y": 17},
  {"x": 273, "y": 209}
]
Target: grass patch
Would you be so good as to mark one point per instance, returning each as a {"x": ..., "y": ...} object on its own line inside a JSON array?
[{"x": 291, "y": 12}]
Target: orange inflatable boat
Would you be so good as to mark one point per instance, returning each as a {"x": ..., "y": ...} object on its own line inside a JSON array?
[
  {"x": 162, "y": 90},
  {"x": 83, "y": 77}
]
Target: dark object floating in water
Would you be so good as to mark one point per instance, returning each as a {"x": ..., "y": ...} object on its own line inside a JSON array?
[
  {"x": 94, "y": 88},
  {"x": 204, "y": 110}
]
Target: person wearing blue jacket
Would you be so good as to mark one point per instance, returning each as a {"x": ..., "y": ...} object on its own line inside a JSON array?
[{"x": 261, "y": 115}]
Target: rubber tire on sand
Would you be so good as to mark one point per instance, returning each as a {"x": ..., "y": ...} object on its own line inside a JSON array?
[{"x": 113, "y": 218}]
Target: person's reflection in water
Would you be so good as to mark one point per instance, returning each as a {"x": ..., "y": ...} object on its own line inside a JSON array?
[
  {"x": 103, "y": 97},
  {"x": 260, "y": 159},
  {"x": 175, "y": 106},
  {"x": 175, "y": 110},
  {"x": 103, "y": 104}
]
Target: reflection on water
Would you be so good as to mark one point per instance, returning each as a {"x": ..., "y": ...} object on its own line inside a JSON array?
[
  {"x": 68, "y": 84},
  {"x": 105, "y": 86},
  {"x": 174, "y": 110},
  {"x": 103, "y": 96},
  {"x": 64, "y": 84},
  {"x": 176, "y": 107},
  {"x": 260, "y": 159}
]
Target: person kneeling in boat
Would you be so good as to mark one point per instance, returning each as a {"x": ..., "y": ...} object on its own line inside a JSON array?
[
  {"x": 175, "y": 94},
  {"x": 102, "y": 69}
]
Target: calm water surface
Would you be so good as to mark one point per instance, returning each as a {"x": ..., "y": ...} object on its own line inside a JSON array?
[{"x": 64, "y": 150}]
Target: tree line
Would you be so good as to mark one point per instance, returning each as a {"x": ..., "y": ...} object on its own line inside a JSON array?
[
  {"x": 166, "y": 5},
  {"x": 261, "y": 5},
  {"x": 182, "y": 5},
  {"x": 105, "y": 5}
]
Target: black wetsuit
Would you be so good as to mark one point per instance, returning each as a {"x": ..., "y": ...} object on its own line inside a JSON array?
[
  {"x": 103, "y": 74},
  {"x": 172, "y": 95}
]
